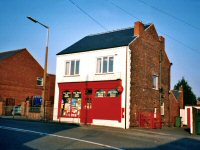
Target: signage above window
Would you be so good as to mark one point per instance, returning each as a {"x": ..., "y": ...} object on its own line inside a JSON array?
[
  {"x": 113, "y": 93},
  {"x": 100, "y": 93},
  {"x": 77, "y": 94}
]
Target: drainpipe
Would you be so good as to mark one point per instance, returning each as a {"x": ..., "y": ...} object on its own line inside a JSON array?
[
  {"x": 125, "y": 115},
  {"x": 160, "y": 90}
]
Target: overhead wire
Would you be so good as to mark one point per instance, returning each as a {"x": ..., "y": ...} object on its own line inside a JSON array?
[
  {"x": 114, "y": 4},
  {"x": 171, "y": 37},
  {"x": 170, "y": 15},
  {"x": 87, "y": 14}
]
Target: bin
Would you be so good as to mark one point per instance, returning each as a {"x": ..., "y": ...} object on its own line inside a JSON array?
[{"x": 178, "y": 121}]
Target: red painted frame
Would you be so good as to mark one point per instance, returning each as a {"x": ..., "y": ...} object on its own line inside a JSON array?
[{"x": 105, "y": 108}]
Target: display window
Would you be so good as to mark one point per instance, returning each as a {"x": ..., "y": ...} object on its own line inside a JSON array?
[{"x": 71, "y": 104}]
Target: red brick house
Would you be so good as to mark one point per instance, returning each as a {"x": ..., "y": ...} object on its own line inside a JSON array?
[
  {"x": 119, "y": 78},
  {"x": 150, "y": 74},
  {"x": 21, "y": 77}
]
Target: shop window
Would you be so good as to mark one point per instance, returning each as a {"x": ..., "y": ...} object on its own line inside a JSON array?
[
  {"x": 105, "y": 64},
  {"x": 113, "y": 93},
  {"x": 66, "y": 103},
  {"x": 100, "y": 93},
  {"x": 71, "y": 104},
  {"x": 76, "y": 104},
  {"x": 72, "y": 67}
]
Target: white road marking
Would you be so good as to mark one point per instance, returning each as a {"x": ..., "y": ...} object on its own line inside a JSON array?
[{"x": 59, "y": 136}]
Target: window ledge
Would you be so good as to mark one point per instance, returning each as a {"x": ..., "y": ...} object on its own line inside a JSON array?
[
  {"x": 71, "y": 75},
  {"x": 104, "y": 73},
  {"x": 155, "y": 89}
]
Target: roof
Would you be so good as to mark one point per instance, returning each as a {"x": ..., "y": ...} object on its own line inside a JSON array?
[
  {"x": 176, "y": 93},
  {"x": 105, "y": 40},
  {"x": 8, "y": 54}
]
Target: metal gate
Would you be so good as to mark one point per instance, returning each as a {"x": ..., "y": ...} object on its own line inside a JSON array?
[
  {"x": 197, "y": 121},
  {"x": 150, "y": 120},
  {"x": 10, "y": 103}
]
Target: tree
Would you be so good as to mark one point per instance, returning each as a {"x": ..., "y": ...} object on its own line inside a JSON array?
[{"x": 189, "y": 96}]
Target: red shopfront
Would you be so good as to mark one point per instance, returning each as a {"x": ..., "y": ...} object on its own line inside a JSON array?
[{"x": 91, "y": 100}]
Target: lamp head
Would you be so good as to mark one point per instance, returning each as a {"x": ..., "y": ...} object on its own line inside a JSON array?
[{"x": 30, "y": 18}]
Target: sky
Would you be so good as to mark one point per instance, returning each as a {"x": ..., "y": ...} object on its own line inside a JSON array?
[{"x": 177, "y": 20}]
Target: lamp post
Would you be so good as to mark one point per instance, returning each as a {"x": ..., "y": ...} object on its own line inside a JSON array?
[{"x": 42, "y": 114}]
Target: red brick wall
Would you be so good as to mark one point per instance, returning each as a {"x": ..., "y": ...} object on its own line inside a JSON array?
[
  {"x": 174, "y": 109},
  {"x": 18, "y": 76},
  {"x": 145, "y": 58}
]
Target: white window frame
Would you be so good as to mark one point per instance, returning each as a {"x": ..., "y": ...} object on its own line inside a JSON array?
[
  {"x": 99, "y": 67},
  {"x": 40, "y": 79},
  {"x": 68, "y": 70},
  {"x": 155, "y": 79}
]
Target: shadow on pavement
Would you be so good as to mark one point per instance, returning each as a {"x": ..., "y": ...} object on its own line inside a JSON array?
[
  {"x": 181, "y": 144},
  {"x": 11, "y": 139}
]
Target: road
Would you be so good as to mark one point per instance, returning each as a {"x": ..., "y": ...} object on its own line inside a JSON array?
[{"x": 29, "y": 135}]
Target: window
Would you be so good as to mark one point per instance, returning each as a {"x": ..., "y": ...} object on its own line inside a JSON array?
[
  {"x": 113, "y": 93},
  {"x": 105, "y": 64},
  {"x": 39, "y": 81},
  {"x": 72, "y": 67},
  {"x": 71, "y": 104},
  {"x": 100, "y": 93},
  {"x": 98, "y": 65},
  {"x": 155, "y": 82}
]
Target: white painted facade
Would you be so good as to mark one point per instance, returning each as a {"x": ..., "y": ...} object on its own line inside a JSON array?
[
  {"x": 184, "y": 114},
  {"x": 87, "y": 72}
]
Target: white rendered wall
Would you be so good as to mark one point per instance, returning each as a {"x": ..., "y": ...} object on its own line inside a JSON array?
[{"x": 87, "y": 72}]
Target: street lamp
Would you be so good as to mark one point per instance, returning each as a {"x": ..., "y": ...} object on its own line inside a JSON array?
[{"x": 43, "y": 116}]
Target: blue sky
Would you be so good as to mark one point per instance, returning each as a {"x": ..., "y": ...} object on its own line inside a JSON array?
[{"x": 177, "y": 20}]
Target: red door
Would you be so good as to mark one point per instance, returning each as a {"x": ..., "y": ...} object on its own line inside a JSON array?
[
  {"x": 188, "y": 117},
  {"x": 86, "y": 110}
]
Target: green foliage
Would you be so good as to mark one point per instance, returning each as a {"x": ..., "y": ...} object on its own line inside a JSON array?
[{"x": 189, "y": 96}]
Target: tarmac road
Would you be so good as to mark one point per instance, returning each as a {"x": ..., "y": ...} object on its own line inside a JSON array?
[{"x": 28, "y": 135}]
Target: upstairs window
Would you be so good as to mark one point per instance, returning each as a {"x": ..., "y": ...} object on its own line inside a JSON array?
[
  {"x": 72, "y": 67},
  {"x": 105, "y": 64},
  {"x": 155, "y": 82},
  {"x": 39, "y": 81}
]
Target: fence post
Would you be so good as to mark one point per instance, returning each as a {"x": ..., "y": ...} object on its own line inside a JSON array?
[
  {"x": 27, "y": 108},
  {"x": 2, "y": 108},
  {"x": 23, "y": 108}
]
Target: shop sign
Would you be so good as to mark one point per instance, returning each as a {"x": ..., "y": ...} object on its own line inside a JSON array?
[
  {"x": 100, "y": 93},
  {"x": 76, "y": 94},
  {"x": 113, "y": 93},
  {"x": 66, "y": 94}
]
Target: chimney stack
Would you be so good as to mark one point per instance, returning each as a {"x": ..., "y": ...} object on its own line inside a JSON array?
[
  {"x": 181, "y": 97},
  {"x": 138, "y": 28},
  {"x": 162, "y": 40}
]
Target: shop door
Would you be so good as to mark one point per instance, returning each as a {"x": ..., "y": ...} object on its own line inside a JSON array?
[{"x": 86, "y": 111}]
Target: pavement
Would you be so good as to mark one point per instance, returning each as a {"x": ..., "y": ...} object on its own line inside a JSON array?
[{"x": 22, "y": 134}]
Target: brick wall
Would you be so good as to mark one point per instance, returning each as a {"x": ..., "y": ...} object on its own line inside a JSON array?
[
  {"x": 174, "y": 108},
  {"x": 145, "y": 62},
  {"x": 18, "y": 76}
]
